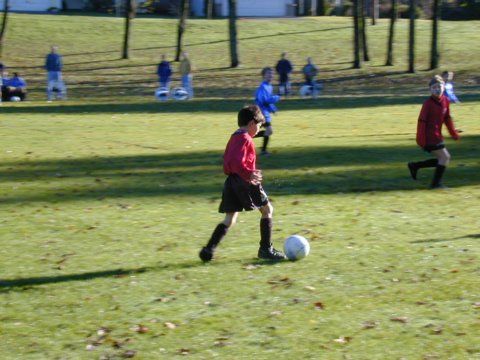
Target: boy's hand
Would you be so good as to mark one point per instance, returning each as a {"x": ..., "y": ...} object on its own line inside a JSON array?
[{"x": 256, "y": 177}]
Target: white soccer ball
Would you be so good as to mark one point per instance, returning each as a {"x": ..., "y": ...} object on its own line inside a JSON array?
[
  {"x": 180, "y": 93},
  {"x": 162, "y": 94},
  {"x": 296, "y": 247},
  {"x": 306, "y": 90},
  {"x": 15, "y": 98}
]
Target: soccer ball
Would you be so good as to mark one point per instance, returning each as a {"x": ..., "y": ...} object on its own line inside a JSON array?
[
  {"x": 162, "y": 94},
  {"x": 180, "y": 93},
  {"x": 15, "y": 98},
  {"x": 296, "y": 247}
]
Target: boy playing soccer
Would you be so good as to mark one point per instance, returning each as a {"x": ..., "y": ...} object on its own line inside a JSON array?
[
  {"x": 242, "y": 189},
  {"x": 435, "y": 112}
]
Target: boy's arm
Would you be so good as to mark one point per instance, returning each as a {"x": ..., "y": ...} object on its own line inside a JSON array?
[
  {"x": 263, "y": 97},
  {"x": 422, "y": 126},
  {"x": 450, "y": 126}
]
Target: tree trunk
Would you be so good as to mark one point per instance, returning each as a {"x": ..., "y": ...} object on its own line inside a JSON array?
[
  {"x": 434, "y": 55},
  {"x": 129, "y": 15},
  {"x": 363, "y": 28},
  {"x": 356, "y": 36},
  {"x": 232, "y": 27},
  {"x": 374, "y": 9},
  {"x": 209, "y": 9},
  {"x": 393, "y": 18},
  {"x": 320, "y": 7},
  {"x": 184, "y": 9},
  {"x": 411, "y": 39},
  {"x": 6, "y": 9}
]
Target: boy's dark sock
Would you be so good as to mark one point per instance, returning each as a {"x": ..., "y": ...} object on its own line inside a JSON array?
[
  {"x": 265, "y": 143},
  {"x": 217, "y": 236},
  {"x": 437, "y": 176},
  {"x": 415, "y": 166},
  {"x": 265, "y": 233},
  {"x": 260, "y": 134}
]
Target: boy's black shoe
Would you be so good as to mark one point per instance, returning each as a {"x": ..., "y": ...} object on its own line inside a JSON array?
[
  {"x": 413, "y": 170},
  {"x": 206, "y": 254},
  {"x": 270, "y": 254}
]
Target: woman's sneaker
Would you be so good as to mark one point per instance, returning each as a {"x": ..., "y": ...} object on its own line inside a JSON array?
[{"x": 270, "y": 254}]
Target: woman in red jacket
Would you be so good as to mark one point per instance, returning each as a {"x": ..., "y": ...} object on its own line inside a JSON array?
[{"x": 435, "y": 112}]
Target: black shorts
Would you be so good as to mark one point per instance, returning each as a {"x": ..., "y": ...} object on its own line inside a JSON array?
[
  {"x": 430, "y": 148},
  {"x": 239, "y": 195}
]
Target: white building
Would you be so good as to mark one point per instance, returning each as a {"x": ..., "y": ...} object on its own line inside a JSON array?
[
  {"x": 35, "y": 5},
  {"x": 259, "y": 8}
]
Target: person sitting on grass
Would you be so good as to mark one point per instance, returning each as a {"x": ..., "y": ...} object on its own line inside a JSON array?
[
  {"x": 435, "y": 112},
  {"x": 243, "y": 189},
  {"x": 13, "y": 89}
]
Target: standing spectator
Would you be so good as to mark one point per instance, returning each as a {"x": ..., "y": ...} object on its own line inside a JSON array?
[
  {"x": 310, "y": 72},
  {"x": 186, "y": 73},
  {"x": 54, "y": 66},
  {"x": 2, "y": 67},
  {"x": 164, "y": 72},
  {"x": 448, "y": 78},
  {"x": 435, "y": 112},
  {"x": 13, "y": 89},
  {"x": 265, "y": 100},
  {"x": 284, "y": 68}
]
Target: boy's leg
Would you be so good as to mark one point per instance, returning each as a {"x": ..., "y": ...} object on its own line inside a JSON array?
[
  {"x": 266, "y": 137},
  {"x": 218, "y": 234},
  {"x": 443, "y": 157},
  {"x": 266, "y": 250},
  {"x": 415, "y": 166}
]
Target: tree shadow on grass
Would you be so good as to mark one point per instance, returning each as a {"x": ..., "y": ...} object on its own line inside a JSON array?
[
  {"x": 470, "y": 236},
  {"x": 299, "y": 170},
  {"x": 9, "y": 284}
]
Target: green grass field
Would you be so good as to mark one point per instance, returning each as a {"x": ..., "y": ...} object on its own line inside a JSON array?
[{"x": 107, "y": 197}]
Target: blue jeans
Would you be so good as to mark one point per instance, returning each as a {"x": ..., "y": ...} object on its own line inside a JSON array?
[
  {"x": 187, "y": 84},
  {"x": 55, "y": 81}
]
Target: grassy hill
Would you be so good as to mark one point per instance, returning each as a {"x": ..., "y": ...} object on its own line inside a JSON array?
[{"x": 107, "y": 197}]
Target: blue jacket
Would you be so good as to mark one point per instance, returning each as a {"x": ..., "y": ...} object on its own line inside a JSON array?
[
  {"x": 17, "y": 82},
  {"x": 54, "y": 62},
  {"x": 265, "y": 99},
  {"x": 164, "y": 71}
]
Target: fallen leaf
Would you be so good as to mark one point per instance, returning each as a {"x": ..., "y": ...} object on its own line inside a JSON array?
[
  {"x": 276, "y": 313},
  {"x": 251, "y": 267},
  {"x": 170, "y": 325},
  {"x": 369, "y": 324},
  {"x": 184, "y": 351},
  {"x": 129, "y": 354},
  {"x": 141, "y": 329},
  {"x": 309, "y": 288},
  {"x": 319, "y": 305},
  {"x": 103, "y": 331},
  {"x": 343, "y": 339},
  {"x": 401, "y": 319}
]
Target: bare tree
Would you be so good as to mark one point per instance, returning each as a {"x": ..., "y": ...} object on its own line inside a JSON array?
[
  {"x": 434, "y": 55},
  {"x": 209, "y": 5},
  {"x": 232, "y": 27},
  {"x": 356, "y": 36},
  {"x": 130, "y": 8},
  {"x": 374, "y": 10},
  {"x": 363, "y": 30},
  {"x": 411, "y": 39},
  {"x": 184, "y": 9},
  {"x": 393, "y": 18},
  {"x": 6, "y": 9}
]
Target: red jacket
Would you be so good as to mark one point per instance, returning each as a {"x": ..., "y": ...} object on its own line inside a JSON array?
[
  {"x": 435, "y": 112},
  {"x": 240, "y": 156}
]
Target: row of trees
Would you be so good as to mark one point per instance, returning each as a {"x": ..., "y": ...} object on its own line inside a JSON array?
[{"x": 359, "y": 37}]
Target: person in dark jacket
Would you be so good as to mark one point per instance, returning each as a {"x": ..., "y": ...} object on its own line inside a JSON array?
[
  {"x": 284, "y": 68},
  {"x": 54, "y": 67},
  {"x": 164, "y": 72}
]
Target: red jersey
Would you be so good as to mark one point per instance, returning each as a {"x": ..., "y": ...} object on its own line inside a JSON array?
[
  {"x": 240, "y": 156},
  {"x": 435, "y": 112}
]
